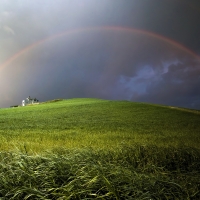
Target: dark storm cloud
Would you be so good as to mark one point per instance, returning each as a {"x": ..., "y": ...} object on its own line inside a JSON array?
[
  {"x": 111, "y": 64},
  {"x": 178, "y": 86}
]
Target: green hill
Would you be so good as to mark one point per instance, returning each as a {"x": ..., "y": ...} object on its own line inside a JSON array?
[
  {"x": 99, "y": 149},
  {"x": 97, "y": 123}
]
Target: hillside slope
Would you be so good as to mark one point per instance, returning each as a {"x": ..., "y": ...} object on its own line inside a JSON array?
[{"x": 97, "y": 123}]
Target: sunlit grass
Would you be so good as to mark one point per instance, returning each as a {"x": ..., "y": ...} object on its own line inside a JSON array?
[{"x": 42, "y": 141}]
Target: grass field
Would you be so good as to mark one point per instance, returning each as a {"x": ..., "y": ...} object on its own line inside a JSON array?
[{"x": 92, "y": 148}]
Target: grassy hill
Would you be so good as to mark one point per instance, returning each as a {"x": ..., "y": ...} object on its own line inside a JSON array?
[{"x": 92, "y": 148}]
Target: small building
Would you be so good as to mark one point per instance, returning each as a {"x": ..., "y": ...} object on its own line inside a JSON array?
[{"x": 29, "y": 101}]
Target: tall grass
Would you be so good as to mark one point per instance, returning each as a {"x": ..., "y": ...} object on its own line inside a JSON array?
[{"x": 138, "y": 172}]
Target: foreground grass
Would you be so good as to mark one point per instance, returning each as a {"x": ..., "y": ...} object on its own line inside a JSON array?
[
  {"x": 137, "y": 172},
  {"x": 90, "y": 148}
]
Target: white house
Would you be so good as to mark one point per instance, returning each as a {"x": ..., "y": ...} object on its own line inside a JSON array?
[{"x": 29, "y": 100}]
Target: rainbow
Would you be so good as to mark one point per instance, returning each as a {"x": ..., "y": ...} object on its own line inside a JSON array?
[{"x": 111, "y": 28}]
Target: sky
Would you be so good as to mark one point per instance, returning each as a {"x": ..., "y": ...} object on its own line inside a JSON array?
[{"x": 136, "y": 50}]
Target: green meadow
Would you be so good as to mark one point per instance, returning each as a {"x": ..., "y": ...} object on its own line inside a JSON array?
[{"x": 99, "y": 149}]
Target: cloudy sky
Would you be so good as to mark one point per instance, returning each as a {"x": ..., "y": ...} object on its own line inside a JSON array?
[{"x": 137, "y": 50}]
